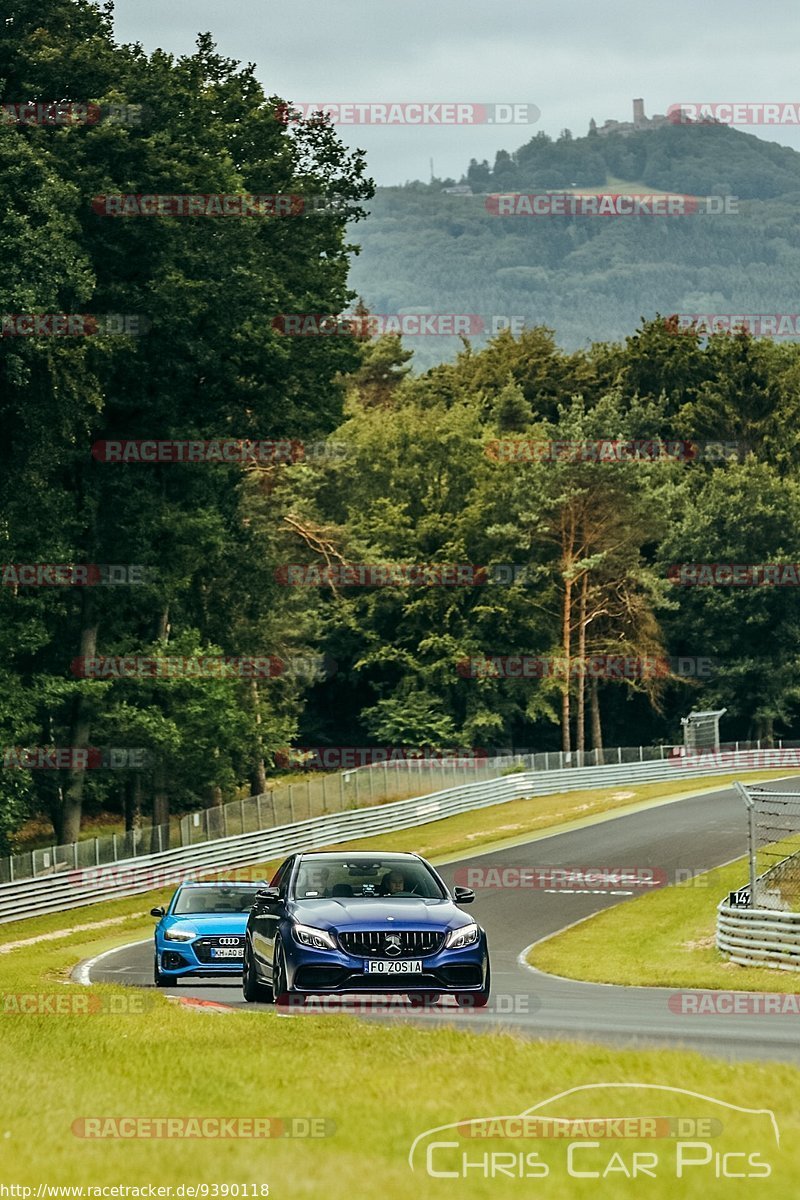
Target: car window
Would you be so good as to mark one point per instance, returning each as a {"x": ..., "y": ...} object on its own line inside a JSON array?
[
  {"x": 280, "y": 879},
  {"x": 342, "y": 878},
  {"x": 196, "y": 901}
]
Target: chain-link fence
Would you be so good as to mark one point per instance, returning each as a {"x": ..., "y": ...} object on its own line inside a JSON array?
[
  {"x": 773, "y": 847},
  {"x": 315, "y": 796}
]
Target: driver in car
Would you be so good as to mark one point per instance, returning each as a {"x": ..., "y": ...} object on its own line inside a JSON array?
[{"x": 393, "y": 883}]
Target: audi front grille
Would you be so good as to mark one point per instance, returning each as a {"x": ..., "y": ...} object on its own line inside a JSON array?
[{"x": 202, "y": 948}]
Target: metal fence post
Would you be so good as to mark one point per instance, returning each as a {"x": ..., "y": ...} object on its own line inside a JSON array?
[
  {"x": 291, "y": 802},
  {"x": 241, "y": 811},
  {"x": 619, "y": 754},
  {"x": 258, "y": 812},
  {"x": 114, "y": 845}
]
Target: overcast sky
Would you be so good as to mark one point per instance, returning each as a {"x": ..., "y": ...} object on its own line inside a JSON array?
[{"x": 573, "y": 59}]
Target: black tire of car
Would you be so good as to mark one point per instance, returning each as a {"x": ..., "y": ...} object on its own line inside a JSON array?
[
  {"x": 280, "y": 988},
  {"x": 476, "y": 999},
  {"x": 253, "y": 991},
  {"x": 159, "y": 979}
]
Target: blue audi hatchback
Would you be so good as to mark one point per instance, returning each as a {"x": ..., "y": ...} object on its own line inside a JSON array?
[
  {"x": 202, "y": 931},
  {"x": 363, "y": 922}
]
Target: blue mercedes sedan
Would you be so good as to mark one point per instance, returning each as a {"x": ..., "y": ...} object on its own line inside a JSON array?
[
  {"x": 363, "y": 922},
  {"x": 202, "y": 931}
]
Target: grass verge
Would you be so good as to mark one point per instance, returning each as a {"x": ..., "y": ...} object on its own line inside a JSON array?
[
  {"x": 664, "y": 939},
  {"x": 381, "y": 1086}
]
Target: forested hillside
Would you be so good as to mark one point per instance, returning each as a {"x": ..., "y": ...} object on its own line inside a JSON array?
[
  {"x": 591, "y": 277},
  {"x": 293, "y": 557}
]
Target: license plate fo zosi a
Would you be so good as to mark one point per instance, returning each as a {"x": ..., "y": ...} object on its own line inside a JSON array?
[{"x": 390, "y": 966}]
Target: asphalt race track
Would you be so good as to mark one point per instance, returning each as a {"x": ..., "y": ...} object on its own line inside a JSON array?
[{"x": 690, "y": 835}]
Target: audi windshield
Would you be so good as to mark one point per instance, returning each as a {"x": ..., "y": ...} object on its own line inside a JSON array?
[{"x": 199, "y": 900}]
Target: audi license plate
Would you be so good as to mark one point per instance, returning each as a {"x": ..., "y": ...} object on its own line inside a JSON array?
[
  {"x": 390, "y": 966},
  {"x": 224, "y": 952}
]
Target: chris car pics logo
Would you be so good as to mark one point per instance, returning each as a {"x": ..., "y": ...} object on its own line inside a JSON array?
[{"x": 604, "y": 1131}]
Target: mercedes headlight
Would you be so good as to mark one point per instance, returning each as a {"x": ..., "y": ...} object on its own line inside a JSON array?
[
  {"x": 317, "y": 939},
  {"x": 467, "y": 935}
]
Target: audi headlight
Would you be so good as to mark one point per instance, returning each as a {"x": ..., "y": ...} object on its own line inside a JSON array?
[
  {"x": 317, "y": 939},
  {"x": 180, "y": 935},
  {"x": 465, "y": 936}
]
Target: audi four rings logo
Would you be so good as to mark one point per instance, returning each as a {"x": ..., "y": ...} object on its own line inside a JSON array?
[
  {"x": 392, "y": 943},
  {"x": 229, "y": 941}
]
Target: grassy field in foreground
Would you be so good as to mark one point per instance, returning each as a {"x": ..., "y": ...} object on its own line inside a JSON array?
[
  {"x": 452, "y": 836},
  {"x": 664, "y": 939},
  {"x": 381, "y": 1086}
]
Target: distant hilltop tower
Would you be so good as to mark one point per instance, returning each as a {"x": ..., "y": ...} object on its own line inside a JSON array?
[{"x": 626, "y": 128}]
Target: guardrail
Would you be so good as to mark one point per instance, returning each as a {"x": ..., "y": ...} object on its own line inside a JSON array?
[
  {"x": 92, "y": 884},
  {"x": 759, "y": 937},
  {"x": 396, "y": 778}
]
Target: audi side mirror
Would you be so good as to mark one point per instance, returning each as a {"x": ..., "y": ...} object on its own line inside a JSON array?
[
  {"x": 157, "y": 912},
  {"x": 463, "y": 895}
]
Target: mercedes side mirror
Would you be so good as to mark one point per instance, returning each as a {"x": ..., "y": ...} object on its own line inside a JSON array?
[
  {"x": 463, "y": 895},
  {"x": 267, "y": 895}
]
